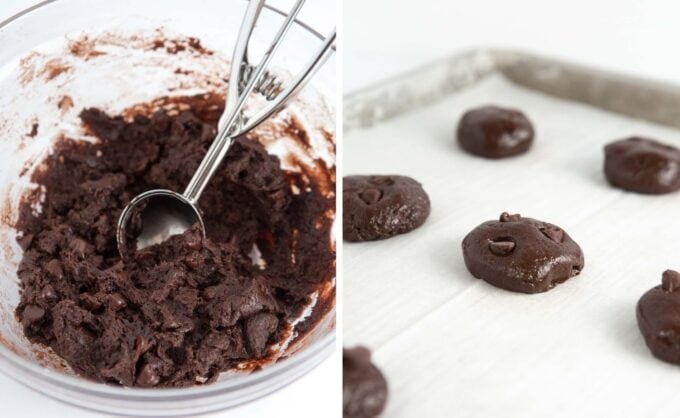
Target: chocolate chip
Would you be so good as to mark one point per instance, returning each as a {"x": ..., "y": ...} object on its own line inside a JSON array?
[
  {"x": 55, "y": 269},
  {"x": 32, "y": 313},
  {"x": 25, "y": 241},
  {"x": 171, "y": 323},
  {"x": 148, "y": 376},
  {"x": 142, "y": 345},
  {"x": 501, "y": 246},
  {"x": 258, "y": 329},
  {"x": 370, "y": 196},
  {"x": 552, "y": 232},
  {"x": 79, "y": 247},
  {"x": 670, "y": 280},
  {"x": 90, "y": 302},
  {"x": 116, "y": 302},
  {"x": 48, "y": 294},
  {"x": 506, "y": 217},
  {"x": 194, "y": 240}
]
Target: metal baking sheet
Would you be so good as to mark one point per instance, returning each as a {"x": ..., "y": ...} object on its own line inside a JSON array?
[{"x": 452, "y": 345}]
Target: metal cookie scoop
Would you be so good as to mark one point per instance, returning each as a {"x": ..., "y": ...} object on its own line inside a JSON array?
[{"x": 163, "y": 213}]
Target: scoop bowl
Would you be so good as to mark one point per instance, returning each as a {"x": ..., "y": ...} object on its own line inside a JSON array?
[{"x": 153, "y": 216}]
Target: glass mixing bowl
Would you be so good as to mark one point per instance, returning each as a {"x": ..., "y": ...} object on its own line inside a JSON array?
[{"x": 122, "y": 83}]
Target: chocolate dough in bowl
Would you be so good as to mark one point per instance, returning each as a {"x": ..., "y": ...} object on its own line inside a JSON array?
[{"x": 103, "y": 108}]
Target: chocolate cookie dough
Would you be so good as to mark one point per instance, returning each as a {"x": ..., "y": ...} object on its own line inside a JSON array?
[
  {"x": 379, "y": 207},
  {"x": 178, "y": 313},
  {"x": 521, "y": 254},
  {"x": 642, "y": 165},
  {"x": 364, "y": 389},
  {"x": 495, "y": 132},
  {"x": 658, "y": 316}
]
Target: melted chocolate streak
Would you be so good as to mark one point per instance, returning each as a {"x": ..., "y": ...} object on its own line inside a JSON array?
[{"x": 180, "y": 312}]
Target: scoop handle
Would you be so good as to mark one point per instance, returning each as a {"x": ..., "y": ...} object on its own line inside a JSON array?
[
  {"x": 239, "y": 59},
  {"x": 295, "y": 86},
  {"x": 225, "y": 135}
]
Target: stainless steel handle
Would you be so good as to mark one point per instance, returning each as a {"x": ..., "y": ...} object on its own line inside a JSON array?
[
  {"x": 224, "y": 139},
  {"x": 296, "y": 85},
  {"x": 240, "y": 55}
]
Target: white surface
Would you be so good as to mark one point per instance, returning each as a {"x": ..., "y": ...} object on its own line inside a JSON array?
[
  {"x": 312, "y": 396},
  {"x": 386, "y": 37},
  {"x": 449, "y": 342}
]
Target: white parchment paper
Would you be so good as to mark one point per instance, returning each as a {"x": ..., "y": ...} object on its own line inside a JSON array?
[{"x": 453, "y": 345}]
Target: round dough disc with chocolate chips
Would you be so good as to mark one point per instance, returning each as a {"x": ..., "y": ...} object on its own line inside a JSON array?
[
  {"x": 642, "y": 165},
  {"x": 658, "y": 317},
  {"x": 521, "y": 254},
  {"x": 378, "y": 207},
  {"x": 495, "y": 132},
  {"x": 364, "y": 388}
]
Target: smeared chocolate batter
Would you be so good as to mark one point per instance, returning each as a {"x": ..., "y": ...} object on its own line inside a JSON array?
[{"x": 178, "y": 313}]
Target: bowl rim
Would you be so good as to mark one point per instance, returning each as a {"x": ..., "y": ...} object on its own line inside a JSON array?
[
  {"x": 19, "y": 14},
  {"x": 123, "y": 393}
]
